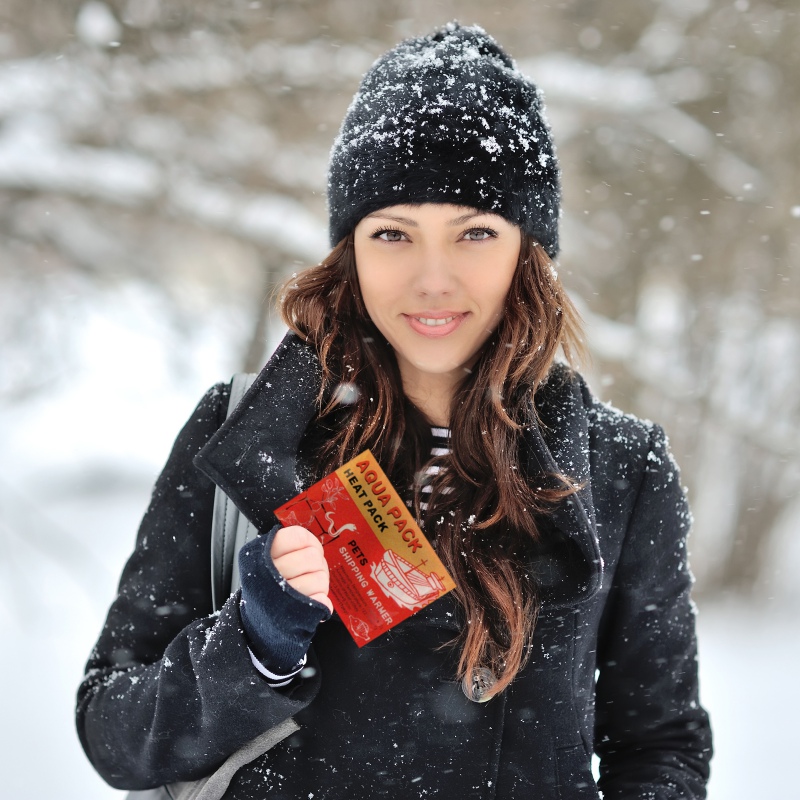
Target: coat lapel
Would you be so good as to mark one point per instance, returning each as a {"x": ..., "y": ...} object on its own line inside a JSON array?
[
  {"x": 253, "y": 456},
  {"x": 558, "y": 443}
]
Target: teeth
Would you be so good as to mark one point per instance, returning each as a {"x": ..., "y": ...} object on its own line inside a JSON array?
[{"x": 434, "y": 322}]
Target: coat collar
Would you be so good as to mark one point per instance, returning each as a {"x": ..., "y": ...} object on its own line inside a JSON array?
[
  {"x": 559, "y": 443},
  {"x": 253, "y": 456}
]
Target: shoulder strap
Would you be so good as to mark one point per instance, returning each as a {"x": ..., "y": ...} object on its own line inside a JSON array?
[{"x": 230, "y": 529}]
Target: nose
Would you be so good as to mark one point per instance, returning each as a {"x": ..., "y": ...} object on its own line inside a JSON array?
[{"x": 435, "y": 273}]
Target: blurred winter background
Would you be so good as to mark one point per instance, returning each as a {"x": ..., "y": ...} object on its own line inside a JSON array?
[{"x": 162, "y": 165}]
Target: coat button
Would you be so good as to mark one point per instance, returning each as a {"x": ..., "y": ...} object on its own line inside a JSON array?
[{"x": 477, "y": 687}]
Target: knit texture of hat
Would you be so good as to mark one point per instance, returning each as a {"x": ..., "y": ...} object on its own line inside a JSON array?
[{"x": 446, "y": 118}]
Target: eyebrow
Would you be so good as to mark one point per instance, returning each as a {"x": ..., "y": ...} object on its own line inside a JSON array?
[{"x": 414, "y": 224}]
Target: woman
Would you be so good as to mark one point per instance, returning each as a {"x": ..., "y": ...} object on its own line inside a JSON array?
[{"x": 431, "y": 327}]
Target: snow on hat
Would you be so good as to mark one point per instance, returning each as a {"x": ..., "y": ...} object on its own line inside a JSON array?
[{"x": 446, "y": 118}]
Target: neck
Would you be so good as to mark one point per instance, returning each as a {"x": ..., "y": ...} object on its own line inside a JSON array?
[{"x": 432, "y": 395}]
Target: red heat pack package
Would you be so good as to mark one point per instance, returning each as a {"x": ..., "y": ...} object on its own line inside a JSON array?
[{"x": 382, "y": 567}]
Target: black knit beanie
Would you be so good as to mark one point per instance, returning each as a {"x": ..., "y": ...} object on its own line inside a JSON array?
[{"x": 446, "y": 118}]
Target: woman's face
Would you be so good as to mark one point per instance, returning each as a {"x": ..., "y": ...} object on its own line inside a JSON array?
[{"x": 434, "y": 279}]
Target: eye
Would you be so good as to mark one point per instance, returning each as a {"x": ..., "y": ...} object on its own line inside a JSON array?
[
  {"x": 389, "y": 235},
  {"x": 479, "y": 234}
]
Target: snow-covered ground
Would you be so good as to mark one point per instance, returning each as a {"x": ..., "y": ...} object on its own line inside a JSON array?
[
  {"x": 747, "y": 659},
  {"x": 76, "y": 465}
]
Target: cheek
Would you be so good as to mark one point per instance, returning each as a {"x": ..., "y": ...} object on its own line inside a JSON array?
[
  {"x": 381, "y": 286},
  {"x": 372, "y": 295},
  {"x": 374, "y": 279},
  {"x": 507, "y": 283},
  {"x": 376, "y": 294},
  {"x": 365, "y": 288},
  {"x": 494, "y": 298}
]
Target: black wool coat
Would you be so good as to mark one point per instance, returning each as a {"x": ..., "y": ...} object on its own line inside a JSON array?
[{"x": 170, "y": 690}]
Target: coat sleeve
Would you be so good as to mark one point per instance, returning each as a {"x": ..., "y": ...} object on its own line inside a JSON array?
[
  {"x": 652, "y": 736},
  {"x": 170, "y": 690}
]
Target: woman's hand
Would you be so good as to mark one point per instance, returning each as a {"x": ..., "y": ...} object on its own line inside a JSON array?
[
  {"x": 284, "y": 595},
  {"x": 297, "y": 555}
]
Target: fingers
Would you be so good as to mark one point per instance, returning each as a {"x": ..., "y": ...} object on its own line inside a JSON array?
[
  {"x": 298, "y": 557},
  {"x": 304, "y": 572},
  {"x": 292, "y": 538}
]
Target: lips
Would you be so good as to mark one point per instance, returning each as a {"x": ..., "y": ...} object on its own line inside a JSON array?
[{"x": 434, "y": 324}]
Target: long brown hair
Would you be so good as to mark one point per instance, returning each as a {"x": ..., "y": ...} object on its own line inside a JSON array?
[{"x": 483, "y": 507}]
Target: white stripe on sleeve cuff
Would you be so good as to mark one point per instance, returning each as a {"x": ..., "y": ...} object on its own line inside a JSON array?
[{"x": 273, "y": 678}]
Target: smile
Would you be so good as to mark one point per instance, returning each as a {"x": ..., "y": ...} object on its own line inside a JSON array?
[{"x": 435, "y": 325}]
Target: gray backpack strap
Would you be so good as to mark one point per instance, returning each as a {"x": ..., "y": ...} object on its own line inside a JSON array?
[
  {"x": 214, "y": 786},
  {"x": 230, "y": 529}
]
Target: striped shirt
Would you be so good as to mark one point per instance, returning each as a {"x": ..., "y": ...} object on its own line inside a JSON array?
[{"x": 440, "y": 447}]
